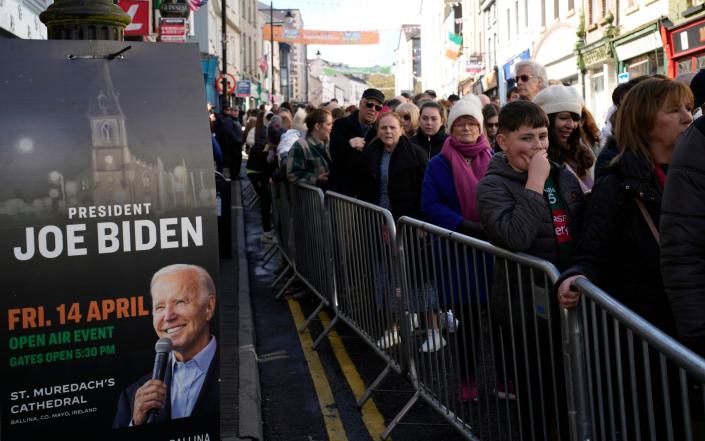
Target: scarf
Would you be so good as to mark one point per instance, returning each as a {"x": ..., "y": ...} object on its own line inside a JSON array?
[
  {"x": 467, "y": 176},
  {"x": 561, "y": 222}
]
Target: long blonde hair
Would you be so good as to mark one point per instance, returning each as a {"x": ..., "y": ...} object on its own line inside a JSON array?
[{"x": 413, "y": 112}]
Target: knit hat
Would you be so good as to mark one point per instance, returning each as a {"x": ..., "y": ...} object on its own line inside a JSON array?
[
  {"x": 697, "y": 85},
  {"x": 469, "y": 105},
  {"x": 559, "y": 98}
]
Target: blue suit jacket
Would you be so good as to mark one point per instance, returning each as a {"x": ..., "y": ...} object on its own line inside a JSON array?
[{"x": 208, "y": 399}]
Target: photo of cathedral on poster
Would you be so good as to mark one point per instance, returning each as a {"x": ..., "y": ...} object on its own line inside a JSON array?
[
  {"x": 119, "y": 177},
  {"x": 116, "y": 176}
]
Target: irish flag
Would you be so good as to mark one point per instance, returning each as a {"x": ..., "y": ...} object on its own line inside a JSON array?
[{"x": 453, "y": 46}]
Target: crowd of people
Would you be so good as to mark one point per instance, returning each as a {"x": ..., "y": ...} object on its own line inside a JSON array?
[{"x": 535, "y": 175}]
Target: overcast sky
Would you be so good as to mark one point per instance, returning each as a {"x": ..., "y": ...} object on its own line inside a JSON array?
[{"x": 387, "y": 16}]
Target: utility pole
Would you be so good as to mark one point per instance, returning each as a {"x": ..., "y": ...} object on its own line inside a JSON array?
[
  {"x": 224, "y": 37},
  {"x": 271, "y": 43}
]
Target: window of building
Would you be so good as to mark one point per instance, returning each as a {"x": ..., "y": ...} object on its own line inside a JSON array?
[
  {"x": 107, "y": 132},
  {"x": 516, "y": 15},
  {"x": 509, "y": 24},
  {"x": 593, "y": 11},
  {"x": 571, "y": 5},
  {"x": 647, "y": 64},
  {"x": 685, "y": 66},
  {"x": 556, "y": 8},
  {"x": 526, "y": 13},
  {"x": 543, "y": 13}
]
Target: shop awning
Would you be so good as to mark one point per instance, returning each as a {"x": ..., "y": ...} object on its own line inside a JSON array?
[{"x": 641, "y": 45}]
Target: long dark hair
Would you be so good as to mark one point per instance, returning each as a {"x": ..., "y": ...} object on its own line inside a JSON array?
[{"x": 578, "y": 155}]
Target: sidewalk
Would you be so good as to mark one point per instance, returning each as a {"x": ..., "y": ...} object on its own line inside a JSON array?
[{"x": 240, "y": 415}]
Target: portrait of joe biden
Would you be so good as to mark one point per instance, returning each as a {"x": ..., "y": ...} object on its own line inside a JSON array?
[{"x": 183, "y": 304}]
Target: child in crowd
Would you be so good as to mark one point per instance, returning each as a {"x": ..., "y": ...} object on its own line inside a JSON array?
[{"x": 531, "y": 205}]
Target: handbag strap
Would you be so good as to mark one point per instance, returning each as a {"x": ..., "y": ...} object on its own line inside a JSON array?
[{"x": 648, "y": 220}]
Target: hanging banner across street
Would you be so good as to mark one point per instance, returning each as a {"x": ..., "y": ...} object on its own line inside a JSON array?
[
  {"x": 291, "y": 35},
  {"x": 108, "y": 241}
]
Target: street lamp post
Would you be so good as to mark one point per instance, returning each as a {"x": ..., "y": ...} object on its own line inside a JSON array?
[
  {"x": 224, "y": 39},
  {"x": 82, "y": 20},
  {"x": 271, "y": 45}
]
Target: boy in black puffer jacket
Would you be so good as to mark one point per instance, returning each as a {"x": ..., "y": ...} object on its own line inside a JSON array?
[{"x": 530, "y": 205}]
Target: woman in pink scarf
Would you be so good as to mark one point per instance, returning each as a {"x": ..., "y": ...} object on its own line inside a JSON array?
[{"x": 449, "y": 201}]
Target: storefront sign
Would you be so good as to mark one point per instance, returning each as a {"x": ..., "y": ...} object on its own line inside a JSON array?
[
  {"x": 172, "y": 30},
  {"x": 243, "y": 88},
  {"x": 689, "y": 38},
  {"x": 87, "y": 217},
  {"x": 173, "y": 9},
  {"x": 139, "y": 13},
  {"x": 473, "y": 65},
  {"x": 509, "y": 65}
]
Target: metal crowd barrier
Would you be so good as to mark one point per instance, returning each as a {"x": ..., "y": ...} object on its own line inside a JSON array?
[
  {"x": 249, "y": 195},
  {"x": 479, "y": 334},
  {"x": 639, "y": 383},
  {"x": 367, "y": 294},
  {"x": 311, "y": 260},
  {"x": 498, "y": 376}
]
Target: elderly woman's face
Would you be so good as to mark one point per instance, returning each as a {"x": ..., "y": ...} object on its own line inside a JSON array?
[
  {"x": 671, "y": 121},
  {"x": 465, "y": 129},
  {"x": 389, "y": 131}
]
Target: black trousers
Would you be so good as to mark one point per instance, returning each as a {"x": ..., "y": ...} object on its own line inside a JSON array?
[{"x": 260, "y": 182}]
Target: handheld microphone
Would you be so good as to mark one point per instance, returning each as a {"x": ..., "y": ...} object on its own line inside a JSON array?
[{"x": 162, "y": 348}]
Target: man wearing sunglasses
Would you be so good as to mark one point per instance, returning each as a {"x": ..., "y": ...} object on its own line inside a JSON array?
[
  {"x": 530, "y": 79},
  {"x": 348, "y": 139}
]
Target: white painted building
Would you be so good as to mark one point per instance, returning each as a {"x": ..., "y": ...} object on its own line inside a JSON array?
[
  {"x": 20, "y": 19},
  {"x": 404, "y": 60}
]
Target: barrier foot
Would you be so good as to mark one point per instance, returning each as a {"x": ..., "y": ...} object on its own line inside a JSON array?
[
  {"x": 311, "y": 317},
  {"x": 368, "y": 393},
  {"x": 399, "y": 416},
  {"x": 325, "y": 332},
  {"x": 267, "y": 256},
  {"x": 280, "y": 276},
  {"x": 286, "y": 285}
]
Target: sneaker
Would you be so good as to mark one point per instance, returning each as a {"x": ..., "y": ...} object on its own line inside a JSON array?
[
  {"x": 389, "y": 339},
  {"x": 449, "y": 322},
  {"x": 502, "y": 393},
  {"x": 468, "y": 392},
  {"x": 434, "y": 341},
  {"x": 269, "y": 238}
]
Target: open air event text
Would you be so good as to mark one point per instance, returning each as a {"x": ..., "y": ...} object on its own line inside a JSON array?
[{"x": 52, "y": 241}]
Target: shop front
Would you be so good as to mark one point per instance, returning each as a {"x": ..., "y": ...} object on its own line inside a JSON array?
[
  {"x": 599, "y": 77},
  {"x": 686, "y": 47},
  {"x": 641, "y": 52},
  {"x": 489, "y": 84}
]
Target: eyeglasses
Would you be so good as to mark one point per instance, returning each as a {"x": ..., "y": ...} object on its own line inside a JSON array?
[
  {"x": 492, "y": 124},
  {"x": 370, "y": 105},
  {"x": 523, "y": 78},
  {"x": 406, "y": 117}
]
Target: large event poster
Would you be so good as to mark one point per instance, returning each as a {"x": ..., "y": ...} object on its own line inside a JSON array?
[{"x": 106, "y": 177}]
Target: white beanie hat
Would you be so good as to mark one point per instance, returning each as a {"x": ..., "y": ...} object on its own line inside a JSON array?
[
  {"x": 470, "y": 105},
  {"x": 559, "y": 98}
]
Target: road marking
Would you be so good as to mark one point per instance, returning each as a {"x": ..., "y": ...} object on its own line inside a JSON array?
[
  {"x": 326, "y": 400},
  {"x": 373, "y": 419}
]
